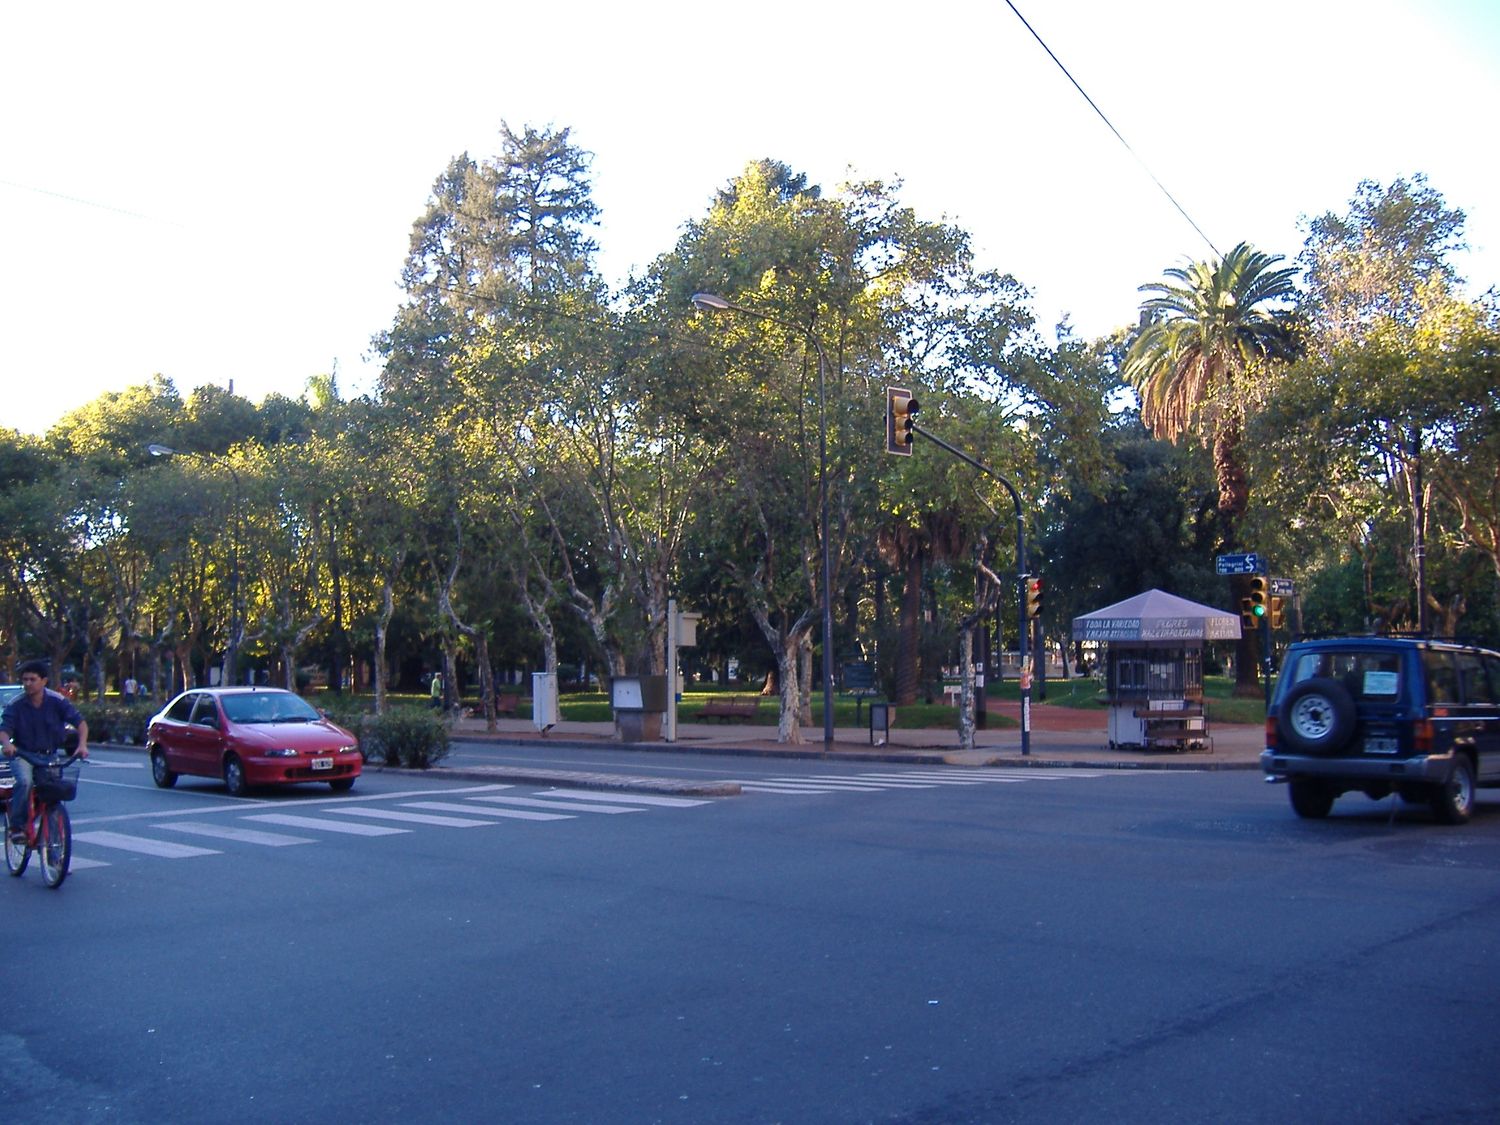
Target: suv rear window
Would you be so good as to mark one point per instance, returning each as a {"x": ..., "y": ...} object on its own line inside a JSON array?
[{"x": 1365, "y": 675}]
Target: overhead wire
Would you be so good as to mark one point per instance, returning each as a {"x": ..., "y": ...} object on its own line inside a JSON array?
[{"x": 1110, "y": 125}]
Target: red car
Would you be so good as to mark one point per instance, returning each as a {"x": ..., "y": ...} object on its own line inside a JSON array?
[{"x": 249, "y": 736}]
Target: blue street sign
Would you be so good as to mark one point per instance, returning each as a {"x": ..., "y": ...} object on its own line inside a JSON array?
[{"x": 1239, "y": 564}]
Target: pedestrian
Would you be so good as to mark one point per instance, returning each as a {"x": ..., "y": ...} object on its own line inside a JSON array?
[
  {"x": 131, "y": 687},
  {"x": 437, "y": 690},
  {"x": 35, "y": 721}
]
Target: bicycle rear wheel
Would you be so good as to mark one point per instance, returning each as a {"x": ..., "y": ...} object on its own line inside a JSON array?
[{"x": 56, "y": 844}]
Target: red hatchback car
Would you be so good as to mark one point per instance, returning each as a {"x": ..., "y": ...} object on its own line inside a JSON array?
[{"x": 249, "y": 736}]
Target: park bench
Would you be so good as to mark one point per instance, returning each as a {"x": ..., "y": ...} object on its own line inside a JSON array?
[
  {"x": 744, "y": 707},
  {"x": 506, "y": 703}
]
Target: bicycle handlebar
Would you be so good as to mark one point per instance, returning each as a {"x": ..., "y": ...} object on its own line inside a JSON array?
[{"x": 49, "y": 759}]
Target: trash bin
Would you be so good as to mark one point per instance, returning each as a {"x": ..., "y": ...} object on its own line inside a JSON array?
[{"x": 881, "y": 714}]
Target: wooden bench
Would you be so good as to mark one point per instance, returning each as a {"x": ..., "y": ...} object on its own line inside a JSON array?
[
  {"x": 733, "y": 708},
  {"x": 506, "y": 703}
]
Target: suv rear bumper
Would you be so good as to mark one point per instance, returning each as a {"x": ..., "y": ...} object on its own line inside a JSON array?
[{"x": 1279, "y": 765}]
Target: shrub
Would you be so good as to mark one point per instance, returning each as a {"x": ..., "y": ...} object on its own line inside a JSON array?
[
  {"x": 406, "y": 736},
  {"x": 117, "y": 722}
]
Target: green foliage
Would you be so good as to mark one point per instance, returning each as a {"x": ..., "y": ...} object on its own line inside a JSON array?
[
  {"x": 117, "y": 722},
  {"x": 412, "y": 737}
]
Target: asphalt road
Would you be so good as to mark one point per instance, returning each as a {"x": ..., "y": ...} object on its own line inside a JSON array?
[{"x": 874, "y": 943}]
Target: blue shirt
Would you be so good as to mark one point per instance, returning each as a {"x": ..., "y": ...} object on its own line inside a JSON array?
[{"x": 39, "y": 730}]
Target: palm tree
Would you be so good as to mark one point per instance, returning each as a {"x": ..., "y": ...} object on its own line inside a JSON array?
[{"x": 1206, "y": 334}]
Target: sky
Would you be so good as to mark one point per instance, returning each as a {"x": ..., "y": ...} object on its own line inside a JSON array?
[{"x": 223, "y": 194}]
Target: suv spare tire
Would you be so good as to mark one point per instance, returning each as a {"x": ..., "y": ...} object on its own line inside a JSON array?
[{"x": 1317, "y": 717}]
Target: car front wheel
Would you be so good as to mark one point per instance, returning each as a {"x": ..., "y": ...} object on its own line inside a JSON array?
[{"x": 1454, "y": 802}]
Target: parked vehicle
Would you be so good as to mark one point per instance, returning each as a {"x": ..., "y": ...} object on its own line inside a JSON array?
[
  {"x": 1383, "y": 715},
  {"x": 9, "y": 692},
  {"x": 249, "y": 736}
]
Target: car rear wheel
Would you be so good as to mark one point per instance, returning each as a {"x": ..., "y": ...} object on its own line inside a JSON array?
[
  {"x": 1454, "y": 802},
  {"x": 234, "y": 776},
  {"x": 1311, "y": 800},
  {"x": 1317, "y": 717},
  {"x": 163, "y": 777}
]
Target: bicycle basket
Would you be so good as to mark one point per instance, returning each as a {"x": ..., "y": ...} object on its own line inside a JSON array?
[{"x": 56, "y": 783}]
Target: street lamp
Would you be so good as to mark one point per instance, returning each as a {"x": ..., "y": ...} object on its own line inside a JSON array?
[
  {"x": 712, "y": 302},
  {"x": 236, "y": 616}
]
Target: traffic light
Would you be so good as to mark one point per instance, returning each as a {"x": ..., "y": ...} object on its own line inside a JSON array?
[
  {"x": 1259, "y": 600},
  {"x": 900, "y": 420},
  {"x": 1033, "y": 598},
  {"x": 1278, "y": 611}
]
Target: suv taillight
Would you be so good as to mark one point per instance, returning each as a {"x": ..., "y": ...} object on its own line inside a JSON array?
[
  {"x": 1421, "y": 736},
  {"x": 1270, "y": 733}
]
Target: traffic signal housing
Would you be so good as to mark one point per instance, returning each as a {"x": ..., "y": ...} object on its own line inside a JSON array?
[
  {"x": 1033, "y": 598},
  {"x": 1278, "y": 611},
  {"x": 900, "y": 420},
  {"x": 1254, "y": 608}
]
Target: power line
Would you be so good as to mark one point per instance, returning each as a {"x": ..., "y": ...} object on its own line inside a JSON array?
[{"x": 1162, "y": 187}]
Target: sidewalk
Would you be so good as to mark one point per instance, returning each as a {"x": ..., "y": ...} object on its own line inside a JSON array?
[{"x": 1061, "y": 737}]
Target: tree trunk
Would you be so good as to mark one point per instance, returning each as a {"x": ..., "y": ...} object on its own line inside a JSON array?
[{"x": 909, "y": 650}]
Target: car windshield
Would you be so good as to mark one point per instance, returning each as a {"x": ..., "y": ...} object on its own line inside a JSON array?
[
  {"x": 268, "y": 707},
  {"x": 1366, "y": 675}
]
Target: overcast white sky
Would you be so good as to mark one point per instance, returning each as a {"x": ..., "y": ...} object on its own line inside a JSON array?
[{"x": 224, "y": 192}]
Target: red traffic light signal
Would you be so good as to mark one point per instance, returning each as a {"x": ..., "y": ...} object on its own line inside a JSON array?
[{"x": 1033, "y": 598}]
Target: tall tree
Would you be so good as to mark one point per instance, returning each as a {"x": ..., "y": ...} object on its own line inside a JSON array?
[{"x": 1208, "y": 337}]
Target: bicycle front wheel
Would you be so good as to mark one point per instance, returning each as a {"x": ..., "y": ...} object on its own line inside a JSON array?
[
  {"x": 56, "y": 844},
  {"x": 16, "y": 855}
]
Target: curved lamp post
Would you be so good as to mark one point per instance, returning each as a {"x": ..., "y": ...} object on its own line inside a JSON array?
[
  {"x": 712, "y": 302},
  {"x": 236, "y": 617}
]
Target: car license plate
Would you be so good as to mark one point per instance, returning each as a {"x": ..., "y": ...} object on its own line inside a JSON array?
[
  {"x": 1380, "y": 746},
  {"x": 322, "y": 763}
]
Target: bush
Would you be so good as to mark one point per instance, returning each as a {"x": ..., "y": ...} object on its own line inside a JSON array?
[
  {"x": 117, "y": 722},
  {"x": 406, "y": 736}
]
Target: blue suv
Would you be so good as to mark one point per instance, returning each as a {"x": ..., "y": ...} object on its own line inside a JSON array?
[{"x": 1383, "y": 715}]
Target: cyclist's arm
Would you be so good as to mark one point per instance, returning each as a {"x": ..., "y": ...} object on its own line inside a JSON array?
[
  {"x": 7, "y": 747},
  {"x": 83, "y": 739}
]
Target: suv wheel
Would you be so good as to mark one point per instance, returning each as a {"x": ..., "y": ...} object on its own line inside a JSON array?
[
  {"x": 1311, "y": 800},
  {"x": 1454, "y": 802},
  {"x": 1317, "y": 717}
]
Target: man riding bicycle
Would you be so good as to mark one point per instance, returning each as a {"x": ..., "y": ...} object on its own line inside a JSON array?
[{"x": 35, "y": 721}]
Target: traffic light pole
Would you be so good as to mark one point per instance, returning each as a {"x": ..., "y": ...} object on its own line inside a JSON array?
[{"x": 1021, "y": 576}]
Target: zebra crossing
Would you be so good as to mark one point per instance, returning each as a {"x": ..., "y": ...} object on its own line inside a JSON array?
[
  {"x": 313, "y": 821},
  {"x": 878, "y": 782}
]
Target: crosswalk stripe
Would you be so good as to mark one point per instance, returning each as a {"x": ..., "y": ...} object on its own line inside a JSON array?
[
  {"x": 887, "y": 781},
  {"x": 626, "y": 798},
  {"x": 844, "y": 786},
  {"x": 78, "y": 863},
  {"x": 752, "y": 787},
  {"x": 415, "y": 818},
  {"x": 240, "y": 835},
  {"x": 539, "y": 803},
  {"x": 514, "y": 814},
  {"x": 348, "y": 828},
  {"x": 163, "y": 849}
]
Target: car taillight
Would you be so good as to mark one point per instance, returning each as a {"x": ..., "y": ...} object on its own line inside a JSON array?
[
  {"x": 1421, "y": 737},
  {"x": 1270, "y": 733}
]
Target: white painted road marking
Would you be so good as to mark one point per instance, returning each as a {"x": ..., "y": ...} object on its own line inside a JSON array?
[
  {"x": 348, "y": 827},
  {"x": 513, "y": 814},
  {"x": 162, "y": 849},
  {"x": 415, "y": 818},
  {"x": 242, "y": 835},
  {"x": 539, "y": 803}
]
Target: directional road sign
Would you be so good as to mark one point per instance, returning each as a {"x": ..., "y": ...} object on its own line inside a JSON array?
[{"x": 1240, "y": 564}]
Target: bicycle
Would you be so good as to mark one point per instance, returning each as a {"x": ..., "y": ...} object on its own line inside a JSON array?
[{"x": 49, "y": 833}]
